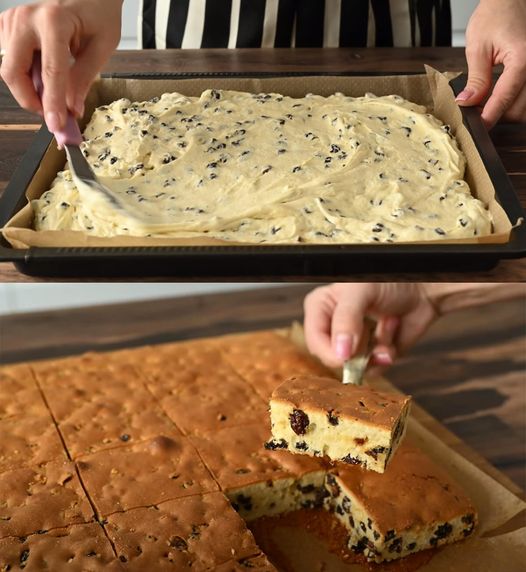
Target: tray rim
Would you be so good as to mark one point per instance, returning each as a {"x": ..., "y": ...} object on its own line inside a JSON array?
[{"x": 12, "y": 200}]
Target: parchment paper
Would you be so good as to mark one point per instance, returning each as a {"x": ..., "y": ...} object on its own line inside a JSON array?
[{"x": 430, "y": 89}]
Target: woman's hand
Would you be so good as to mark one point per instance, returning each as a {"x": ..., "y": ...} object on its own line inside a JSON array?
[
  {"x": 88, "y": 30},
  {"x": 496, "y": 34},
  {"x": 334, "y": 318}
]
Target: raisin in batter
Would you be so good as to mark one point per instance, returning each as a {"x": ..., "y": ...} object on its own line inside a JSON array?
[{"x": 265, "y": 168}]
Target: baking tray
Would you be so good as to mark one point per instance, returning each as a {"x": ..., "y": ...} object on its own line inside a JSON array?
[{"x": 269, "y": 261}]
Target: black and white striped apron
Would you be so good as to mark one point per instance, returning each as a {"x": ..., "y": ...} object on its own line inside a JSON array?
[{"x": 293, "y": 23}]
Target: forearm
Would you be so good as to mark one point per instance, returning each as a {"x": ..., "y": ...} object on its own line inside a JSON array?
[{"x": 450, "y": 297}]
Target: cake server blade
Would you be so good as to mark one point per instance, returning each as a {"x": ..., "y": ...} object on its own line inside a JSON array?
[
  {"x": 83, "y": 175},
  {"x": 354, "y": 369},
  {"x": 70, "y": 138}
]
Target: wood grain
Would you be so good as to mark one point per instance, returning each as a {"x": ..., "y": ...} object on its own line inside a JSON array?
[
  {"x": 284, "y": 59},
  {"x": 468, "y": 371}
]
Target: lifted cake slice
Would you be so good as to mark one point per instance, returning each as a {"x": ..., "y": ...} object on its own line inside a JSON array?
[
  {"x": 413, "y": 506},
  {"x": 321, "y": 416}
]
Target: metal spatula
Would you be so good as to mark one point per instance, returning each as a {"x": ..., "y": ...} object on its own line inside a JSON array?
[
  {"x": 70, "y": 138},
  {"x": 354, "y": 369}
]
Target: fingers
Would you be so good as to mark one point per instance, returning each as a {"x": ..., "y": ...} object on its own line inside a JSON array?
[
  {"x": 386, "y": 329},
  {"x": 383, "y": 355},
  {"x": 49, "y": 28},
  {"x": 334, "y": 319},
  {"x": 517, "y": 112},
  {"x": 384, "y": 352},
  {"x": 18, "y": 58},
  {"x": 347, "y": 320},
  {"x": 88, "y": 64},
  {"x": 6, "y": 19},
  {"x": 55, "y": 37},
  {"x": 480, "y": 65},
  {"x": 318, "y": 307},
  {"x": 506, "y": 91}
]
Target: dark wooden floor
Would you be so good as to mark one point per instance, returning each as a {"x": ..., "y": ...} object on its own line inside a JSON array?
[
  {"x": 17, "y": 127},
  {"x": 469, "y": 371}
]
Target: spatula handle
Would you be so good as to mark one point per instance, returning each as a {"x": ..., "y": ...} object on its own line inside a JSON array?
[{"x": 70, "y": 134}]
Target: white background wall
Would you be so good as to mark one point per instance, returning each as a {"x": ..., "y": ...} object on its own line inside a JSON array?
[
  {"x": 461, "y": 12},
  {"x": 33, "y": 297}
]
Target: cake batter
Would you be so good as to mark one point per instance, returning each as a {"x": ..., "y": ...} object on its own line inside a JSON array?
[{"x": 266, "y": 168}]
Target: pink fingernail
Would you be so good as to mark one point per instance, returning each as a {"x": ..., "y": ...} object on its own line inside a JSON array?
[
  {"x": 343, "y": 346},
  {"x": 465, "y": 94},
  {"x": 383, "y": 358}
]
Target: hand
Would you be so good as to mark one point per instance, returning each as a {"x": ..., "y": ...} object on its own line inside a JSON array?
[
  {"x": 88, "y": 30},
  {"x": 334, "y": 318},
  {"x": 496, "y": 34}
]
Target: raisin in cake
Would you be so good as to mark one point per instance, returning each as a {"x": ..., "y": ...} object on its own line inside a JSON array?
[
  {"x": 412, "y": 506},
  {"x": 321, "y": 416}
]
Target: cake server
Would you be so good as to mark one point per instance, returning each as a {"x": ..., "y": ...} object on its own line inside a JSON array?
[
  {"x": 70, "y": 138},
  {"x": 354, "y": 369}
]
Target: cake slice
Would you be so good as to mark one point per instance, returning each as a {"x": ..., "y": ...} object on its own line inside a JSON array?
[
  {"x": 256, "y": 481},
  {"x": 320, "y": 416},
  {"x": 413, "y": 506}
]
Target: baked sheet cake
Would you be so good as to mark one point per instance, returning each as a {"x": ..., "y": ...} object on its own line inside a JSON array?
[
  {"x": 164, "y": 492},
  {"x": 270, "y": 169}
]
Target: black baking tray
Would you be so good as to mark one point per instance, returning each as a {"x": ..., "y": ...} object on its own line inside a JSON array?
[{"x": 258, "y": 261}]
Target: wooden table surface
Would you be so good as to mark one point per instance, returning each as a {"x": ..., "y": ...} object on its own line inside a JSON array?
[
  {"x": 468, "y": 371},
  {"x": 17, "y": 127}
]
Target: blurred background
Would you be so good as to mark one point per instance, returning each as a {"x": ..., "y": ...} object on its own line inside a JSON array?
[
  {"x": 461, "y": 10},
  {"x": 15, "y": 298}
]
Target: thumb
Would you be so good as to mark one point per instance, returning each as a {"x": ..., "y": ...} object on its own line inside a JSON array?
[
  {"x": 88, "y": 64},
  {"x": 480, "y": 65},
  {"x": 348, "y": 323}
]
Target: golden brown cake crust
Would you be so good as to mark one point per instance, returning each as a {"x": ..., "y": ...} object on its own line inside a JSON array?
[
  {"x": 28, "y": 441},
  {"x": 195, "y": 533},
  {"x": 143, "y": 474},
  {"x": 79, "y": 547},
  {"x": 197, "y": 389},
  {"x": 40, "y": 498},
  {"x": 268, "y": 362},
  {"x": 412, "y": 491},
  {"x": 342, "y": 400},
  {"x": 78, "y": 370},
  {"x": 19, "y": 394},
  {"x": 97, "y": 414}
]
